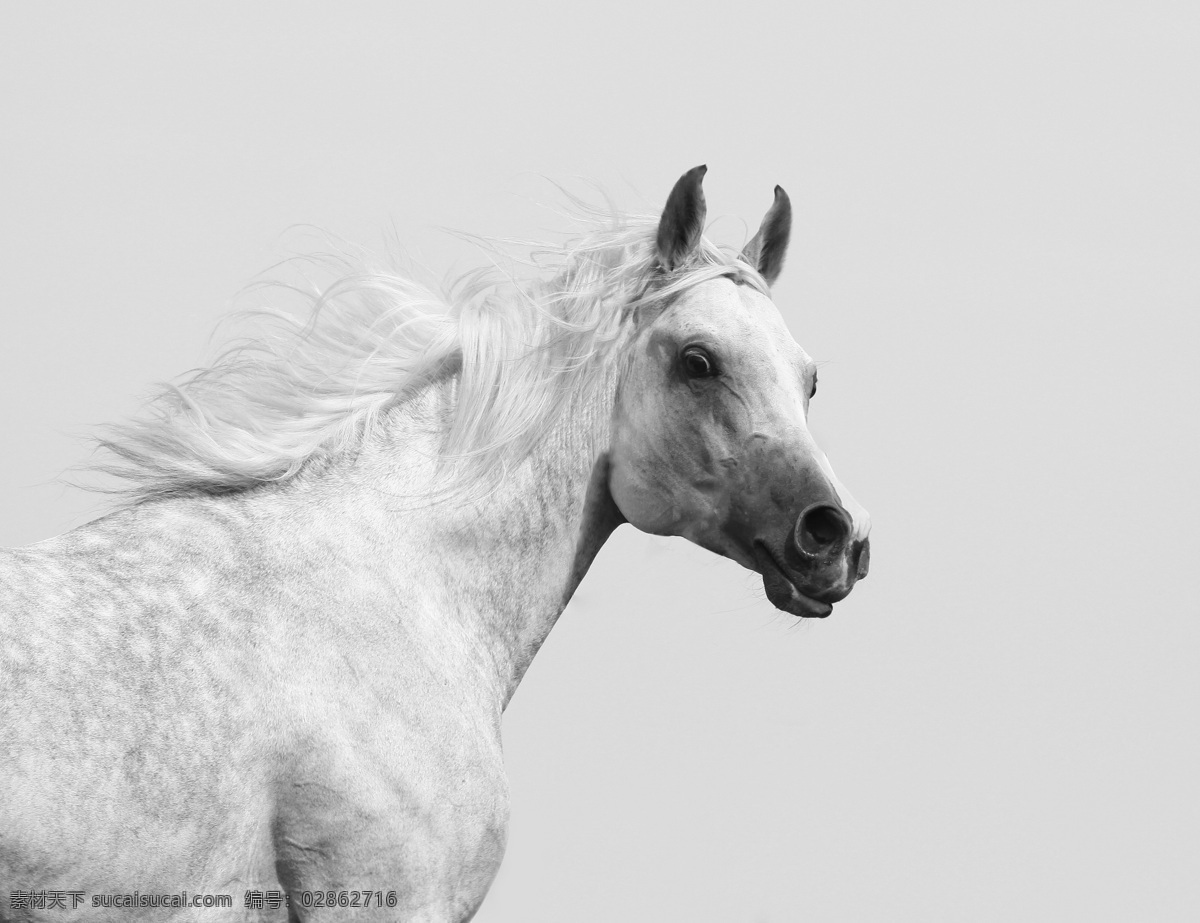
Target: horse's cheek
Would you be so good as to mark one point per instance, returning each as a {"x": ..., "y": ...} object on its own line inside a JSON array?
[{"x": 640, "y": 490}]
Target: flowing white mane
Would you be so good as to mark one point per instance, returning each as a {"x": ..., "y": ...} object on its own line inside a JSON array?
[{"x": 373, "y": 338}]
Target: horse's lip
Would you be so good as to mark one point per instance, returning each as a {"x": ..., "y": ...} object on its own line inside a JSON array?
[{"x": 776, "y": 581}]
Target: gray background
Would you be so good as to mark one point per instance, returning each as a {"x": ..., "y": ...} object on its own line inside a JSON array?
[{"x": 995, "y": 256}]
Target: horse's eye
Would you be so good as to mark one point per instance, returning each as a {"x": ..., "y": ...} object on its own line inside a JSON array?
[
  {"x": 813, "y": 393},
  {"x": 698, "y": 363}
]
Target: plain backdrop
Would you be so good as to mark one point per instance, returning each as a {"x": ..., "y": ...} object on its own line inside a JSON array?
[{"x": 995, "y": 258}]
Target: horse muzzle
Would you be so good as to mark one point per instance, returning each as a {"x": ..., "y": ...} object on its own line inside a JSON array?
[{"x": 821, "y": 561}]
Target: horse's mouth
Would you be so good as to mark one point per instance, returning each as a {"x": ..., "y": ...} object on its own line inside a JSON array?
[{"x": 782, "y": 592}]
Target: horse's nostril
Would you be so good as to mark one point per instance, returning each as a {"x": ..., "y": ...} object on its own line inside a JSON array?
[{"x": 822, "y": 528}]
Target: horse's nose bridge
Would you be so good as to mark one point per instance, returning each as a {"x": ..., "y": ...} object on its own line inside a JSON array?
[
  {"x": 792, "y": 457},
  {"x": 831, "y": 490},
  {"x": 859, "y": 518}
]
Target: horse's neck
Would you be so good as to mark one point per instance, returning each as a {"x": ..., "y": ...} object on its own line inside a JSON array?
[
  {"x": 479, "y": 581},
  {"x": 502, "y": 566}
]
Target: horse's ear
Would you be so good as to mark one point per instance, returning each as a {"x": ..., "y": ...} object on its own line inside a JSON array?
[
  {"x": 682, "y": 220},
  {"x": 767, "y": 248}
]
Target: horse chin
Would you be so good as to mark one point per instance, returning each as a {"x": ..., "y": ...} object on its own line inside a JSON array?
[{"x": 783, "y": 593}]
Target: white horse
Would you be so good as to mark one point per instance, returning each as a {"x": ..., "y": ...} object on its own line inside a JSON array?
[{"x": 280, "y": 667}]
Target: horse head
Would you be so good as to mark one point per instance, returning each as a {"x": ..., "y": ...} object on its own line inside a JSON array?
[{"x": 710, "y": 427}]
